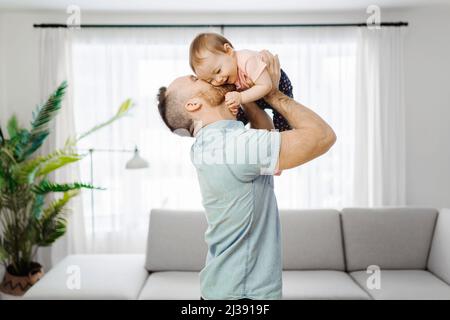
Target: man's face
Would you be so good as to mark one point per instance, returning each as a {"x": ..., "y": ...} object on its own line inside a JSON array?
[{"x": 190, "y": 86}]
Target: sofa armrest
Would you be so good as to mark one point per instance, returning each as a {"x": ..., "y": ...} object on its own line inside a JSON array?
[
  {"x": 439, "y": 258},
  {"x": 96, "y": 276}
]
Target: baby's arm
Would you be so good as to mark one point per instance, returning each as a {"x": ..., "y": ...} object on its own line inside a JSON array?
[
  {"x": 260, "y": 89},
  {"x": 262, "y": 86}
]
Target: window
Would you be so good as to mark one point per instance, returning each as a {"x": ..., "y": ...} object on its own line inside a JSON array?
[{"x": 112, "y": 65}]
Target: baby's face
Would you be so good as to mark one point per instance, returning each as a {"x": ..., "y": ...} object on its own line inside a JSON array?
[{"x": 218, "y": 68}]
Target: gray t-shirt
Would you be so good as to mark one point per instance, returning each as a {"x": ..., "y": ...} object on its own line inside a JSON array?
[{"x": 235, "y": 167}]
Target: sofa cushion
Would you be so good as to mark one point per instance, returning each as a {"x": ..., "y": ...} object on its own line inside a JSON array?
[
  {"x": 439, "y": 260},
  {"x": 321, "y": 284},
  {"x": 405, "y": 285},
  {"x": 176, "y": 240},
  {"x": 102, "y": 276},
  {"x": 391, "y": 238},
  {"x": 171, "y": 285},
  {"x": 312, "y": 239}
]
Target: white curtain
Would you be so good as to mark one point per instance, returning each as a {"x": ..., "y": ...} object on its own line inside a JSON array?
[
  {"x": 55, "y": 67},
  {"x": 379, "y": 142},
  {"x": 112, "y": 65}
]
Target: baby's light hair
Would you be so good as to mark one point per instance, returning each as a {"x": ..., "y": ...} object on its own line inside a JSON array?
[{"x": 212, "y": 42}]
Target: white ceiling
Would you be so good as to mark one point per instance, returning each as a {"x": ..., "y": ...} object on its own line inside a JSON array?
[{"x": 213, "y": 5}]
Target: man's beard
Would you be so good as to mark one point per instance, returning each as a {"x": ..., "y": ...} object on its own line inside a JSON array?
[{"x": 215, "y": 96}]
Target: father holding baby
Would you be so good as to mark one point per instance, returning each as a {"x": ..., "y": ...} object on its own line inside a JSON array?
[{"x": 235, "y": 167}]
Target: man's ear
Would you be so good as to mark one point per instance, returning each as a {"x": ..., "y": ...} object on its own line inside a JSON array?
[{"x": 193, "y": 104}]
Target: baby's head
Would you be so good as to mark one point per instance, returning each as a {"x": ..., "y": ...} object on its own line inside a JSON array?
[{"x": 212, "y": 58}]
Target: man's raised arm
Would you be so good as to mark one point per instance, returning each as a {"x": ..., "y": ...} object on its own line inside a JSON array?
[
  {"x": 310, "y": 137},
  {"x": 258, "y": 118}
]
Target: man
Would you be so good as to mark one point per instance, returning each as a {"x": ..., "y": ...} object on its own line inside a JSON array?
[{"x": 235, "y": 167}]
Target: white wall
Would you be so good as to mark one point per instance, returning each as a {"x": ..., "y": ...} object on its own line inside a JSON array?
[
  {"x": 427, "y": 78},
  {"x": 427, "y": 68}
]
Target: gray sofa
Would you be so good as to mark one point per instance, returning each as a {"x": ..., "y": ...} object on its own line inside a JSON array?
[{"x": 326, "y": 254}]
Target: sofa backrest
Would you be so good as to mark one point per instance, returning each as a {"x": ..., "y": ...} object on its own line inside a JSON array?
[
  {"x": 311, "y": 240},
  {"x": 176, "y": 240},
  {"x": 439, "y": 259},
  {"x": 391, "y": 238}
]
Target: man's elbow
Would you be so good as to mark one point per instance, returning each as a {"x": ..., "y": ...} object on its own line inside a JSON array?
[
  {"x": 331, "y": 138},
  {"x": 327, "y": 141}
]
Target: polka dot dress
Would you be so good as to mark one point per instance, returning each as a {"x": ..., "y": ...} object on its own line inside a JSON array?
[{"x": 279, "y": 122}]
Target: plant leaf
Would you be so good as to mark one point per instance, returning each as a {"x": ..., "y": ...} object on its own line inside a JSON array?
[
  {"x": 46, "y": 113},
  {"x": 52, "y": 234},
  {"x": 34, "y": 142},
  {"x": 12, "y": 127},
  {"x": 123, "y": 110},
  {"x": 41, "y": 118},
  {"x": 57, "y": 163},
  {"x": 2, "y": 138},
  {"x": 3, "y": 253},
  {"x": 125, "y": 107},
  {"x": 46, "y": 187},
  {"x": 27, "y": 171},
  {"x": 38, "y": 203},
  {"x": 56, "y": 206},
  {"x": 51, "y": 224}
]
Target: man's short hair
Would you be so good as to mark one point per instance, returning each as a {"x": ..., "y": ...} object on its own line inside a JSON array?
[{"x": 171, "y": 109}]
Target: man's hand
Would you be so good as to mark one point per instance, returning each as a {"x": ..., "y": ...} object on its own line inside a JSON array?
[
  {"x": 233, "y": 100},
  {"x": 273, "y": 67}
]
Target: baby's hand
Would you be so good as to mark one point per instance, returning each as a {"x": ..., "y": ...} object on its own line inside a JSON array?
[
  {"x": 233, "y": 99},
  {"x": 234, "y": 110}
]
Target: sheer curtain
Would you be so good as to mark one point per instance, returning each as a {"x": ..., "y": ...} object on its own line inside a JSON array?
[
  {"x": 379, "y": 142},
  {"x": 112, "y": 65},
  {"x": 55, "y": 67},
  {"x": 352, "y": 78}
]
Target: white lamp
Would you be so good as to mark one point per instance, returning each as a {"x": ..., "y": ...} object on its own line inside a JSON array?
[{"x": 137, "y": 162}]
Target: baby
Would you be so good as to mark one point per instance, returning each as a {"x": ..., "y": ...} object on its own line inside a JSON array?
[{"x": 213, "y": 59}]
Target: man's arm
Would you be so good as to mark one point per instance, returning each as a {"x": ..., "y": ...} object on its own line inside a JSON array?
[
  {"x": 310, "y": 137},
  {"x": 258, "y": 118}
]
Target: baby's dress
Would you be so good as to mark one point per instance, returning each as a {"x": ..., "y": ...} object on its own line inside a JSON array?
[{"x": 250, "y": 67}]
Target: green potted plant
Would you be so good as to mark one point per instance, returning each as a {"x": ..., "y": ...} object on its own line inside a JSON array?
[{"x": 28, "y": 220}]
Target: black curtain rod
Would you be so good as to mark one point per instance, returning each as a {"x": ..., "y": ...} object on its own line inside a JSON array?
[{"x": 56, "y": 25}]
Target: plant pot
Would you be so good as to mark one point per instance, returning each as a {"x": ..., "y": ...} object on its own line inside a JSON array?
[{"x": 18, "y": 285}]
